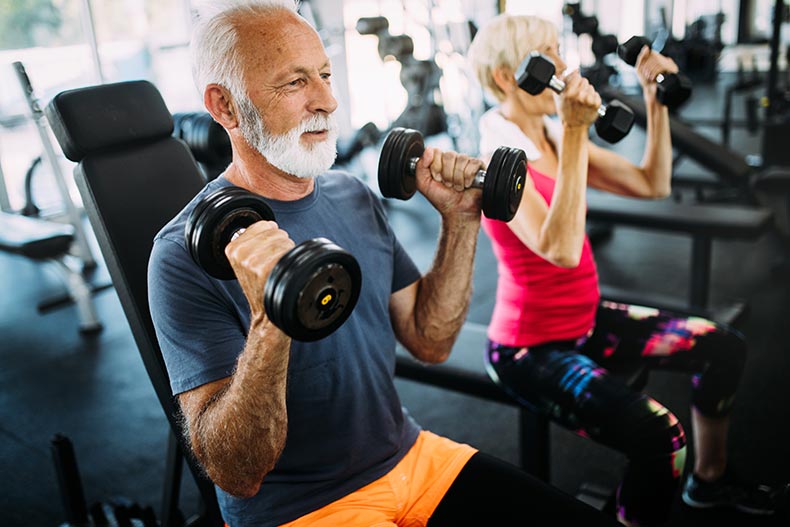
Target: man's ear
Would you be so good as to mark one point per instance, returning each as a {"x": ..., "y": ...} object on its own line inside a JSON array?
[
  {"x": 504, "y": 78},
  {"x": 221, "y": 106}
]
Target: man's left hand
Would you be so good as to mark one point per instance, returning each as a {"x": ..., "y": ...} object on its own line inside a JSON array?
[{"x": 444, "y": 179}]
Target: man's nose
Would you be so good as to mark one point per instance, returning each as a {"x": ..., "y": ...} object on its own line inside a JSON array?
[{"x": 322, "y": 99}]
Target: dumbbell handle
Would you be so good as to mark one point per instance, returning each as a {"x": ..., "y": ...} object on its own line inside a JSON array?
[
  {"x": 477, "y": 181},
  {"x": 558, "y": 85},
  {"x": 238, "y": 232}
]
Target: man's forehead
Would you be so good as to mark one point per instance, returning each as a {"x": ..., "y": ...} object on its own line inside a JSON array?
[{"x": 279, "y": 38}]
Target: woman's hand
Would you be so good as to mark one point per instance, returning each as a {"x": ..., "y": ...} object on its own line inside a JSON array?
[
  {"x": 649, "y": 65},
  {"x": 578, "y": 102}
]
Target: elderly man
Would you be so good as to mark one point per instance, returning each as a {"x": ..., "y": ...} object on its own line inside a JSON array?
[{"x": 313, "y": 433}]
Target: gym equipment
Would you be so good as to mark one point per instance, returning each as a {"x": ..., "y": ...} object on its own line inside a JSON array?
[
  {"x": 119, "y": 512},
  {"x": 672, "y": 89},
  {"x": 536, "y": 73},
  {"x": 126, "y": 156},
  {"x": 48, "y": 241},
  {"x": 420, "y": 78},
  {"x": 502, "y": 182},
  {"x": 206, "y": 139},
  {"x": 366, "y": 136},
  {"x": 310, "y": 291},
  {"x": 81, "y": 246},
  {"x": 601, "y": 71}
]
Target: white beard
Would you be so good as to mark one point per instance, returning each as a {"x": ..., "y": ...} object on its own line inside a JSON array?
[{"x": 286, "y": 151}]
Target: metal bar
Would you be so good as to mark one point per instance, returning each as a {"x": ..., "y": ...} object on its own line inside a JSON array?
[
  {"x": 701, "y": 247},
  {"x": 69, "y": 481},
  {"x": 73, "y": 214},
  {"x": 171, "y": 515},
  {"x": 90, "y": 31},
  {"x": 5, "y": 203},
  {"x": 773, "y": 71}
]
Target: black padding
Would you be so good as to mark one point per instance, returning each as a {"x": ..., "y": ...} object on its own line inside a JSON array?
[
  {"x": 132, "y": 183},
  {"x": 34, "y": 238},
  {"x": 720, "y": 221},
  {"x": 774, "y": 179},
  {"x": 724, "y": 162},
  {"x": 98, "y": 118}
]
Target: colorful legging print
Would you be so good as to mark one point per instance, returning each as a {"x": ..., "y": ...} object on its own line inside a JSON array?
[{"x": 570, "y": 382}]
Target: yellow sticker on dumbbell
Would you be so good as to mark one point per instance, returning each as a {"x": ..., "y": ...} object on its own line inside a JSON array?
[{"x": 326, "y": 299}]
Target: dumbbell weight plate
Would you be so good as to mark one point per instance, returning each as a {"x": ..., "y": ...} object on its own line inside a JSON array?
[
  {"x": 312, "y": 289},
  {"x": 490, "y": 183},
  {"x": 508, "y": 183},
  {"x": 396, "y": 179},
  {"x": 211, "y": 225}
]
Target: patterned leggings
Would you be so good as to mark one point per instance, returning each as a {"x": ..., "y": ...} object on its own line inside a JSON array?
[{"x": 570, "y": 381}]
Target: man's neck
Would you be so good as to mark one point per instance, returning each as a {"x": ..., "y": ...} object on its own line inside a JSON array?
[{"x": 251, "y": 171}]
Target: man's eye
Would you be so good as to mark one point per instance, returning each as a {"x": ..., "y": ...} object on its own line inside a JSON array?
[{"x": 295, "y": 82}]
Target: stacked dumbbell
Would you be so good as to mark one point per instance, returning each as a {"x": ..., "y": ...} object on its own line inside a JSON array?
[
  {"x": 502, "y": 182},
  {"x": 672, "y": 89},
  {"x": 312, "y": 288},
  {"x": 537, "y": 72}
]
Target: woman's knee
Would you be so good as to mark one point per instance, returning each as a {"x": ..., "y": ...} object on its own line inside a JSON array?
[
  {"x": 714, "y": 388},
  {"x": 655, "y": 433}
]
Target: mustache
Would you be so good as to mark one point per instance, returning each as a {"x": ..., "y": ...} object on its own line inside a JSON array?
[{"x": 317, "y": 123}]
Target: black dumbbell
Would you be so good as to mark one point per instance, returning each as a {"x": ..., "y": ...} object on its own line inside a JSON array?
[
  {"x": 672, "y": 89},
  {"x": 312, "y": 288},
  {"x": 537, "y": 72},
  {"x": 502, "y": 182}
]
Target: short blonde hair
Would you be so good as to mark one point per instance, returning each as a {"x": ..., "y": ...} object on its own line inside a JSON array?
[{"x": 505, "y": 41}]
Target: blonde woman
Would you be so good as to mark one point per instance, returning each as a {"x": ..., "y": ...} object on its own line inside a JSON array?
[{"x": 551, "y": 337}]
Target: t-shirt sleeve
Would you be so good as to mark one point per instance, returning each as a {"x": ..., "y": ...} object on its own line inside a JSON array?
[
  {"x": 405, "y": 271},
  {"x": 198, "y": 331}
]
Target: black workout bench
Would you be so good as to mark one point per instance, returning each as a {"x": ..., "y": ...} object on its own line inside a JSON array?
[
  {"x": 43, "y": 240},
  {"x": 465, "y": 372},
  {"x": 703, "y": 222}
]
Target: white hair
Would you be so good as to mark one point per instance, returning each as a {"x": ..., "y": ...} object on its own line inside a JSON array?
[
  {"x": 215, "y": 59},
  {"x": 505, "y": 41},
  {"x": 285, "y": 151}
]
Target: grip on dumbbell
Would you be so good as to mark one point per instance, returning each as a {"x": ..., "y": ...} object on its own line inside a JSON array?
[{"x": 673, "y": 89}]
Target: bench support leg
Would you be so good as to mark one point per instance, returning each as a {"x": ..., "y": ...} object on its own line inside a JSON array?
[
  {"x": 535, "y": 449},
  {"x": 701, "y": 247},
  {"x": 83, "y": 298}
]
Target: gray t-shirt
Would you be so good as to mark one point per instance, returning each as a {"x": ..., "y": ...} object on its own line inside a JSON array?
[{"x": 346, "y": 426}]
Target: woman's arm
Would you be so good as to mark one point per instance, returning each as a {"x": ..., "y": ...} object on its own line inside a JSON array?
[
  {"x": 556, "y": 232},
  {"x": 652, "y": 179}
]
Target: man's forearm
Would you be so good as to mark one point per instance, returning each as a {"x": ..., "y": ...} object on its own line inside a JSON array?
[
  {"x": 445, "y": 291},
  {"x": 241, "y": 430}
]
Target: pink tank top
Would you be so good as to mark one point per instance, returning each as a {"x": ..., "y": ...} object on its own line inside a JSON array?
[{"x": 536, "y": 301}]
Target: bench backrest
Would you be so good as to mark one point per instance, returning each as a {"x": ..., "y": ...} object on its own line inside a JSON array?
[{"x": 133, "y": 177}]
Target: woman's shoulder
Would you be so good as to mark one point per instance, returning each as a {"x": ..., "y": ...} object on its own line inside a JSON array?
[{"x": 496, "y": 131}]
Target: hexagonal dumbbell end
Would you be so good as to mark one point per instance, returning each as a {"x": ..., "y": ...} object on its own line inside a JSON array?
[
  {"x": 615, "y": 123},
  {"x": 535, "y": 73}
]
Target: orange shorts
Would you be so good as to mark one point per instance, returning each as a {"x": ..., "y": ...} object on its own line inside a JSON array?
[{"x": 406, "y": 496}]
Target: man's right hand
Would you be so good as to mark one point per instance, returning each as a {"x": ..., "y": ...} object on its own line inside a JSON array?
[{"x": 252, "y": 255}]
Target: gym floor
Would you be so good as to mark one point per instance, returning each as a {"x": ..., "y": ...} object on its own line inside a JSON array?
[{"x": 94, "y": 389}]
